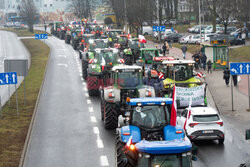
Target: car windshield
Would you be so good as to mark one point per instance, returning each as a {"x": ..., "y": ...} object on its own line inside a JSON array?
[
  {"x": 129, "y": 79},
  {"x": 150, "y": 116},
  {"x": 171, "y": 160},
  {"x": 182, "y": 72},
  {"x": 206, "y": 118},
  {"x": 107, "y": 57}
]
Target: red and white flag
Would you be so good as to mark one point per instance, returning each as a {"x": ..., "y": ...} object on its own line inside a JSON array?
[
  {"x": 82, "y": 30},
  {"x": 188, "y": 114},
  {"x": 173, "y": 110},
  {"x": 142, "y": 39},
  {"x": 200, "y": 74},
  {"x": 129, "y": 142},
  {"x": 161, "y": 75}
]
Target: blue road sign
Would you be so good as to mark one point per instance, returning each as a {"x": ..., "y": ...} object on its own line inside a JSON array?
[
  {"x": 159, "y": 28},
  {"x": 240, "y": 68},
  {"x": 41, "y": 36},
  {"x": 8, "y": 78}
]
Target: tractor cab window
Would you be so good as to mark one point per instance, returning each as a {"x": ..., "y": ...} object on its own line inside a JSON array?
[
  {"x": 180, "y": 72},
  {"x": 150, "y": 116},
  {"x": 129, "y": 79},
  {"x": 107, "y": 57},
  {"x": 122, "y": 40},
  {"x": 176, "y": 160}
]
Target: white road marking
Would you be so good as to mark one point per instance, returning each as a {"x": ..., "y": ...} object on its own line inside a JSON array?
[
  {"x": 104, "y": 160},
  {"x": 91, "y": 109},
  {"x": 85, "y": 89},
  {"x": 86, "y": 95},
  {"x": 99, "y": 143},
  {"x": 93, "y": 119},
  {"x": 89, "y": 101},
  {"x": 81, "y": 78},
  {"x": 60, "y": 64},
  {"x": 62, "y": 56},
  {"x": 96, "y": 130}
]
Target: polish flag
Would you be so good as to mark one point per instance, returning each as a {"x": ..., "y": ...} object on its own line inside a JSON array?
[
  {"x": 200, "y": 74},
  {"x": 82, "y": 28},
  {"x": 142, "y": 39},
  {"x": 95, "y": 21},
  {"x": 188, "y": 114},
  {"x": 173, "y": 110},
  {"x": 129, "y": 142}
]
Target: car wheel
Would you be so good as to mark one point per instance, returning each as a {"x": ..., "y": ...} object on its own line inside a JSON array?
[
  {"x": 145, "y": 33},
  {"x": 221, "y": 141}
]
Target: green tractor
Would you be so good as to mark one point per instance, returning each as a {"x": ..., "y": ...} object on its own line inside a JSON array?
[
  {"x": 89, "y": 53},
  {"x": 132, "y": 53},
  {"x": 70, "y": 29},
  {"x": 146, "y": 58},
  {"x": 112, "y": 36},
  {"x": 76, "y": 37},
  {"x": 127, "y": 81},
  {"x": 55, "y": 27},
  {"x": 100, "y": 63}
]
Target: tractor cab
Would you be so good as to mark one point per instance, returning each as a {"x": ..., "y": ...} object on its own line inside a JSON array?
[
  {"x": 85, "y": 40},
  {"x": 122, "y": 42},
  {"x": 97, "y": 43},
  {"x": 148, "y": 139},
  {"x": 113, "y": 33}
]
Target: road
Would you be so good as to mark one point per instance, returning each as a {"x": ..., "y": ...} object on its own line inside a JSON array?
[
  {"x": 10, "y": 48},
  {"x": 68, "y": 130}
]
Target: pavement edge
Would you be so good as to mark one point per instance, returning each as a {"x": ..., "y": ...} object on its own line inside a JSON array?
[{"x": 27, "y": 140}]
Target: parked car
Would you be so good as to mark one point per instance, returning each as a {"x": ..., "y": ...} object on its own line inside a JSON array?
[
  {"x": 147, "y": 30},
  {"x": 196, "y": 39},
  {"x": 192, "y": 29},
  {"x": 172, "y": 37},
  {"x": 185, "y": 39},
  {"x": 163, "y": 34},
  {"x": 208, "y": 36},
  {"x": 202, "y": 123}
]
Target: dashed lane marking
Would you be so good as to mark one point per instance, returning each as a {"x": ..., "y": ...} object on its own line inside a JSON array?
[
  {"x": 65, "y": 65},
  {"x": 96, "y": 130},
  {"x": 91, "y": 109},
  {"x": 99, "y": 143},
  {"x": 89, "y": 101},
  {"x": 86, "y": 94},
  {"x": 104, "y": 160},
  {"x": 93, "y": 119}
]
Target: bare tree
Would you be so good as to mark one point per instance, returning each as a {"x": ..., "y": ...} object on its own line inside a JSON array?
[
  {"x": 28, "y": 10},
  {"x": 81, "y": 8}
]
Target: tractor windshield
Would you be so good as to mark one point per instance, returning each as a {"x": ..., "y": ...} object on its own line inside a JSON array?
[
  {"x": 122, "y": 40},
  {"x": 135, "y": 44},
  {"x": 96, "y": 45},
  {"x": 150, "y": 116},
  {"x": 182, "y": 72},
  {"x": 107, "y": 58},
  {"x": 150, "y": 54},
  {"x": 129, "y": 79}
]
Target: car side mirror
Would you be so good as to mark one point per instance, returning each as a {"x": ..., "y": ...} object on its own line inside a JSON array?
[{"x": 247, "y": 134}]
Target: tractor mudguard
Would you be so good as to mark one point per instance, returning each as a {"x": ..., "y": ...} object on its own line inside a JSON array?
[
  {"x": 130, "y": 130},
  {"x": 110, "y": 90},
  {"x": 144, "y": 89},
  {"x": 173, "y": 132}
]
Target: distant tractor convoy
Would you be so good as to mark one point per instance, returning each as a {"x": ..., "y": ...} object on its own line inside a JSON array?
[{"x": 136, "y": 85}]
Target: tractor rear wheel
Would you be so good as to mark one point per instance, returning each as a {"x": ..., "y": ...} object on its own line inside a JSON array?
[
  {"x": 92, "y": 86},
  {"x": 102, "y": 108},
  {"x": 110, "y": 116},
  {"x": 84, "y": 69},
  {"x": 124, "y": 156}
]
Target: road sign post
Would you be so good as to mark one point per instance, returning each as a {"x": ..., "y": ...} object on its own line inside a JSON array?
[
  {"x": 242, "y": 68},
  {"x": 159, "y": 29}
]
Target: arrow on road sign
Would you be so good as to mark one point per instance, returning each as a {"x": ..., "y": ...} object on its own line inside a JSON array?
[
  {"x": 241, "y": 68},
  {"x": 13, "y": 77},
  {"x": 7, "y": 78},
  {"x": 247, "y": 68},
  {"x": 234, "y": 70}
]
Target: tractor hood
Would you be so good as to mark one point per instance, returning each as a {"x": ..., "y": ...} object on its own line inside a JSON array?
[
  {"x": 164, "y": 147},
  {"x": 170, "y": 83}
]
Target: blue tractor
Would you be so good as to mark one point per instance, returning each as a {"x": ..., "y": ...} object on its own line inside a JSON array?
[{"x": 148, "y": 139}]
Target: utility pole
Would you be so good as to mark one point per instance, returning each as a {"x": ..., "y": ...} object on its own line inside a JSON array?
[
  {"x": 200, "y": 17},
  {"x": 126, "y": 18}
]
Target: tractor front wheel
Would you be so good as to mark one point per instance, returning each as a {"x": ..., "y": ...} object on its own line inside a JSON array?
[
  {"x": 110, "y": 116},
  {"x": 84, "y": 69},
  {"x": 92, "y": 86}
]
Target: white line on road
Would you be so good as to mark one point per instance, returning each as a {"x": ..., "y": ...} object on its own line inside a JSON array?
[
  {"x": 93, "y": 119},
  {"x": 89, "y": 101},
  {"x": 85, "y": 89},
  {"x": 99, "y": 143},
  {"x": 96, "y": 130},
  {"x": 86, "y": 95},
  {"x": 91, "y": 109},
  {"x": 81, "y": 79},
  {"x": 84, "y": 83},
  {"x": 65, "y": 65},
  {"x": 62, "y": 56},
  {"x": 104, "y": 160}
]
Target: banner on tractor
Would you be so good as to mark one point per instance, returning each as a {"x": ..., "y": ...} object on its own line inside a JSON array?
[{"x": 197, "y": 94}]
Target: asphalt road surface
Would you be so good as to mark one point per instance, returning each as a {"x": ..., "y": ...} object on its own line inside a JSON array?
[
  {"x": 68, "y": 131},
  {"x": 10, "y": 48}
]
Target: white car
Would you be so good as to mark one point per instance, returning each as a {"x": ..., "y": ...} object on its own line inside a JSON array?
[
  {"x": 185, "y": 39},
  {"x": 202, "y": 123},
  {"x": 147, "y": 30},
  {"x": 196, "y": 39},
  {"x": 163, "y": 34}
]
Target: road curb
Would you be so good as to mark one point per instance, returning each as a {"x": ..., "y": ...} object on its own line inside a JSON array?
[{"x": 30, "y": 130}]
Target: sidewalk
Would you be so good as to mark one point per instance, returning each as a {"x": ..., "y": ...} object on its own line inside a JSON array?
[{"x": 239, "y": 118}]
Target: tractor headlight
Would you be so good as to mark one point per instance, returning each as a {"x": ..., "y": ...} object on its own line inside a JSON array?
[
  {"x": 148, "y": 93},
  {"x": 163, "y": 103},
  {"x": 111, "y": 95},
  {"x": 139, "y": 104}
]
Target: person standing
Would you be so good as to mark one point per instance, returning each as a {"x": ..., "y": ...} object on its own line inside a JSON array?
[
  {"x": 235, "y": 79},
  {"x": 243, "y": 37},
  {"x": 226, "y": 76},
  {"x": 204, "y": 60},
  {"x": 184, "y": 50},
  {"x": 164, "y": 49},
  {"x": 209, "y": 66},
  {"x": 167, "y": 49}
]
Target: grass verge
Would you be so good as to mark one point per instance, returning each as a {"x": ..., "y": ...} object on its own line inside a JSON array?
[
  {"x": 190, "y": 48},
  {"x": 241, "y": 54},
  {"x": 13, "y": 129},
  {"x": 23, "y": 32}
]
